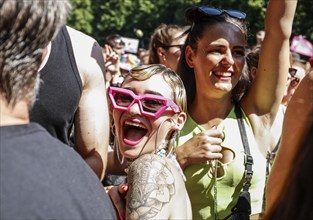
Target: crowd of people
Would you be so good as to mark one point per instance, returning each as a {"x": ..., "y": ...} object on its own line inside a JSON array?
[{"x": 200, "y": 125}]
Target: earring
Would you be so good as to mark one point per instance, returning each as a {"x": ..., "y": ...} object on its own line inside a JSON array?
[
  {"x": 174, "y": 142},
  {"x": 176, "y": 125},
  {"x": 120, "y": 157},
  {"x": 113, "y": 129},
  {"x": 162, "y": 151}
]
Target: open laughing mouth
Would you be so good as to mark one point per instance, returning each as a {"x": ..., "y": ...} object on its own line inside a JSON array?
[{"x": 133, "y": 132}]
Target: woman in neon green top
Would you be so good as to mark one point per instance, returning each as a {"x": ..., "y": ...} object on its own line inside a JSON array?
[{"x": 213, "y": 70}]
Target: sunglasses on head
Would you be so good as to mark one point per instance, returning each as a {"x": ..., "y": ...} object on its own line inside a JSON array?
[
  {"x": 208, "y": 11},
  {"x": 150, "y": 105},
  {"x": 180, "y": 46}
]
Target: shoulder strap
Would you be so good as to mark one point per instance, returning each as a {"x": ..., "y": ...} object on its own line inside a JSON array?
[{"x": 248, "y": 158}]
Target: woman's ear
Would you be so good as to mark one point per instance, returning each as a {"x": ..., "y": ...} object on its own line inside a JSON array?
[
  {"x": 180, "y": 121},
  {"x": 161, "y": 54},
  {"x": 189, "y": 54}
]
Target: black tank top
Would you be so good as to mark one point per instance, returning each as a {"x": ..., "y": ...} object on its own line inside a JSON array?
[{"x": 60, "y": 90}]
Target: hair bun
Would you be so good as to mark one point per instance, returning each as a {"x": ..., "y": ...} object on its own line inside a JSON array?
[{"x": 191, "y": 14}]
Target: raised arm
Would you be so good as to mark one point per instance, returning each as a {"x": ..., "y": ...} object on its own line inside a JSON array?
[
  {"x": 92, "y": 117},
  {"x": 268, "y": 88}
]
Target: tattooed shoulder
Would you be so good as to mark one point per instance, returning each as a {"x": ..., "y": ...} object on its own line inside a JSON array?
[{"x": 151, "y": 186}]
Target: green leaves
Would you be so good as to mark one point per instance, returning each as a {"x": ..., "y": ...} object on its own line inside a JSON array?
[
  {"x": 100, "y": 18},
  {"x": 81, "y": 16}
]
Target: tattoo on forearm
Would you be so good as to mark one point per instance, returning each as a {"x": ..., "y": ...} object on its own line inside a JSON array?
[{"x": 151, "y": 186}]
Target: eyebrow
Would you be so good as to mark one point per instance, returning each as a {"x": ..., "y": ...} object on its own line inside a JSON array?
[
  {"x": 145, "y": 92},
  {"x": 215, "y": 45},
  {"x": 153, "y": 92},
  {"x": 223, "y": 46}
]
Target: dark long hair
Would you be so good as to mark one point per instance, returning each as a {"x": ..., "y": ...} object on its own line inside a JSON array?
[{"x": 199, "y": 23}]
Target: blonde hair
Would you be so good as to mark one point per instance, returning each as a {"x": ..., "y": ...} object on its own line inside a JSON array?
[{"x": 170, "y": 77}]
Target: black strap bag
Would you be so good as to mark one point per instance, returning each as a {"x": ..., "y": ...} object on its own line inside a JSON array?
[{"x": 242, "y": 209}]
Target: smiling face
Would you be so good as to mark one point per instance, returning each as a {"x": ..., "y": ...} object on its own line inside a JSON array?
[
  {"x": 219, "y": 58},
  {"x": 136, "y": 132}
]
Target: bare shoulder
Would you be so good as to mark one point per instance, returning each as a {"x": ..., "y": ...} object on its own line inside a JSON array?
[
  {"x": 80, "y": 39},
  {"x": 155, "y": 186},
  {"x": 88, "y": 55}
]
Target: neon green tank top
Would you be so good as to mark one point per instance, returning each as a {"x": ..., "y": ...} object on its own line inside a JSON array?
[{"x": 200, "y": 182}]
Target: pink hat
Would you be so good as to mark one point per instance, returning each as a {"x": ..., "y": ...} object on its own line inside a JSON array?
[{"x": 301, "y": 46}]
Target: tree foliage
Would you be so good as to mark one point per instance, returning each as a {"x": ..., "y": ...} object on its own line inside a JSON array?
[
  {"x": 100, "y": 18},
  {"x": 82, "y": 16}
]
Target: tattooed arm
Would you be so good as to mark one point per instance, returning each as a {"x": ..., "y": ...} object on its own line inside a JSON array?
[{"x": 156, "y": 190}]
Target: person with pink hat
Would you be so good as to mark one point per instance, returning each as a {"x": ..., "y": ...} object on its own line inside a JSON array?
[{"x": 301, "y": 49}]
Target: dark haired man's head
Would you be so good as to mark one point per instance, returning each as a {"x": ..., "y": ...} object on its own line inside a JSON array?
[
  {"x": 116, "y": 42},
  {"x": 26, "y": 28}
]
